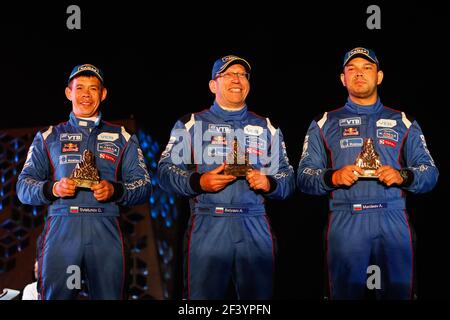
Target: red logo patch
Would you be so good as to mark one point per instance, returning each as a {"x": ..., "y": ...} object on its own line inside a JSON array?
[
  {"x": 251, "y": 150},
  {"x": 107, "y": 157},
  {"x": 350, "y": 132},
  {"x": 389, "y": 143},
  {"x": 70, "y": 147}
]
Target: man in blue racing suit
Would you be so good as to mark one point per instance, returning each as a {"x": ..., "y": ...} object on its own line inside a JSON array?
[
  {"x": 82, "y": 232},
  {"x": 229, "y": 237},
  {"x": 368, "y": 227}
]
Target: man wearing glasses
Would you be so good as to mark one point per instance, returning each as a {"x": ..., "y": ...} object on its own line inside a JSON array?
[{"x": 229, "y": 238}]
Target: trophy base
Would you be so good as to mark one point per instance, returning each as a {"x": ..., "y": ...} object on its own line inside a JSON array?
[
  {"x": 368, "y": 174},
  {"x": 83, "y": 183},
  {"x": 237, "y": 170}
]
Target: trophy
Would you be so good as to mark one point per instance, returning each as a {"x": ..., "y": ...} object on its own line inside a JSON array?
[
  {"x": 368, "y": 160},
  {"x": 237, "y": 164},
  {"x": 85, "y": 174}
]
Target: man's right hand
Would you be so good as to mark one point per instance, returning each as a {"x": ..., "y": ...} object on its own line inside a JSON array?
[
  {"x": 64, "y": 188},
  {"x": 213, "y": 181},
  {"x": 346, "y": 176}
]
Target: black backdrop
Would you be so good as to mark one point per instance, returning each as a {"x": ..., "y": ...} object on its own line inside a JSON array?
[{"x": 157, "y": 61}]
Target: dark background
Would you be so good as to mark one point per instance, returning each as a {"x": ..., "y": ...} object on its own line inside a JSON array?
[{"x": 157, "y": 62}]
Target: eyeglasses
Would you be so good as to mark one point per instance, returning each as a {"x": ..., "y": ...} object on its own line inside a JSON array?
[{"x": 232, "y": 75}]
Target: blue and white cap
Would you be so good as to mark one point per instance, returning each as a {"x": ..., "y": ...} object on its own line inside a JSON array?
[
  {"x": 362, "y": 53},
  {"x": 223, "y": 63},
  {"x": 86, "y": 69}
]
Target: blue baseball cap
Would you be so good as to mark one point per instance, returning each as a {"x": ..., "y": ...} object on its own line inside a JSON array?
[
  {"x": 223, "y": 63},
  {"x": 360, "y": 52},
  {"x": 86, "y": 69}
]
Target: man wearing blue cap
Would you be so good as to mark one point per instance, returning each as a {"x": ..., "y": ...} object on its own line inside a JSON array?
[
  {"x": 368, "y": 227},
  {"x": 82, "y": 230},
  {"x": 229, "y": 238}
]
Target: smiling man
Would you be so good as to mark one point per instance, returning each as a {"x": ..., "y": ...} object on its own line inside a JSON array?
[
  {"x": 368, "y": 224},
  {"x": 82, "y": 226},
  {"x": 229, "y": 238}
]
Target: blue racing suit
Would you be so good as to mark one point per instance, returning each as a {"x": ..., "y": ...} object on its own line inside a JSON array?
[
  {"x": 368, "y": 224},
  {"x": 229, "y": 237},
  {"x": 81, "y": 232}
]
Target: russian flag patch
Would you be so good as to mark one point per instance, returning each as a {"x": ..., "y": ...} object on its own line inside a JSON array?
[{"x": 219, "y": 209}]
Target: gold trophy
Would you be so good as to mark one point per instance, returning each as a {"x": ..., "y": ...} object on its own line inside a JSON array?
[
  {"x": 237, "y": 164},
  {"x": 85, "y": 173},
  {"x": 368, "y": 160}
]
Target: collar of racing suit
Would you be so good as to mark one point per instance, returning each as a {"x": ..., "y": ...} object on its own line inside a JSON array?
[
  {"x": 229, "y": 115},
  {"x": 360, "y": 109},
  {"x": 77, "y": 122}
]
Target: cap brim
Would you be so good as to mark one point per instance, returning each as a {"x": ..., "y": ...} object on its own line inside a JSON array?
[
  {"x": 86, "y": 73},
  {"x": 360, "y": 55},
  {"x": 240, "y": 61}
]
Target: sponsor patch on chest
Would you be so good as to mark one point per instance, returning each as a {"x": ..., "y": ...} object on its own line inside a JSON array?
[
  {"x": 386, "y": 123},
  {"x": 350, "y": 132},
  {"x": 219, "y": 128},
  {"x": 71, "y": 137},
  {"x": 220, "y": 140},
  {"x": 108, "y": 136},
  {"x": 255, "y": 142},
  {"x": 70, "y": 147},
  {"x": 347, "y": 122},
  {"x": 108, "y": 147},
  {"x": 69, "y": 158},
  {"x": 253, "y": 130},
  {"x": 218, "y": 151},
  {"x": 387, "y": 133},
  {"x": 388, "y": 143},
  {"x": 351, "y": 143},
  {"x": 106, "y": 156}
]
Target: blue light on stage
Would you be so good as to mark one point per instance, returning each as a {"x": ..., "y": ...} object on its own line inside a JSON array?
[{"x": 163, "y": 210}]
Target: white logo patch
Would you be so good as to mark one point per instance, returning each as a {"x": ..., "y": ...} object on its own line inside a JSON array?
[
  {"x": 219, "y": 128},
  {"x": 108, "y": 136},
  {"x": 69, "y": 158},
  {"x": 350, "y": 122},
  {"x": 253, "y": 130},
  {"x": 386, "y": 123},
  {"x": 70, "y": 137},
  {"x": 351, "y": 143}
]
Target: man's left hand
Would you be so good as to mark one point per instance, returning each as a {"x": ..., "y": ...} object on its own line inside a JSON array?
[
  {"x": 258, "y": 181},
  {"x": 103, "y": 190},
  {"x": 389, "y": 175}
]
